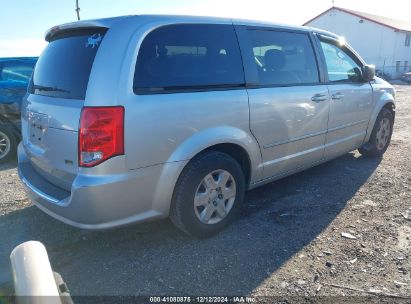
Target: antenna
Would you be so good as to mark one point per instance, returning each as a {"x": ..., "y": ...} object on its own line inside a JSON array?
[
  {"x": 77, "y": 10},
  {"x": 333, "y": 3}
]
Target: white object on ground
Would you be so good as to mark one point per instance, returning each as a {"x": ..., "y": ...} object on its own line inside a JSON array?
[
  {"x": 32, "y": 274},
  {"x": 348, "y": 236}
]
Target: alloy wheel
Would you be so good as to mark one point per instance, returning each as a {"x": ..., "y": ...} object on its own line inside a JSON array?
[
  {"x": 215, "y": 197},
  {"x": 383, "y": 133},
  {"x": 4, "y": 145}
]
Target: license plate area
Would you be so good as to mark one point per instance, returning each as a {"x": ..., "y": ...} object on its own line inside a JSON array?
[{"x": 37, "y": 127}]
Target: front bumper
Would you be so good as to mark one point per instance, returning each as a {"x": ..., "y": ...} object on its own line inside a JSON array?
[{"x": 102, "y": 201}]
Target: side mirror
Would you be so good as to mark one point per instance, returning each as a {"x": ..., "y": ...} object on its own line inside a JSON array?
[
  {"x": 368, "y": 72},
  {"x": 355, "y": 75}
]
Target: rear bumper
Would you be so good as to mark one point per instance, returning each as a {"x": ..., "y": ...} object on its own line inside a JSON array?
[{"x": 103, "y": 201}]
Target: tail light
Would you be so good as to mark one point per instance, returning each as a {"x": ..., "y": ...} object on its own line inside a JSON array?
[{"x": 101, "y": 135}]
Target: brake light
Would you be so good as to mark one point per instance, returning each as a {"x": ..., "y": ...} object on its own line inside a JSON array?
[{"x": 101, "y": 135}]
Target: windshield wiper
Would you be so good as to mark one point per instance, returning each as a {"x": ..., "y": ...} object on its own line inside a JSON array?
[{"x": 49, "y": 89}]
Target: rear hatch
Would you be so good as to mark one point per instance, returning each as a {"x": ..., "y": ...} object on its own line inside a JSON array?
[{"x": 51, "y": 115}]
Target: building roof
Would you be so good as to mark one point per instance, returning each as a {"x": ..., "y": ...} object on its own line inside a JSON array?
[{"x": 395, "y": 24}]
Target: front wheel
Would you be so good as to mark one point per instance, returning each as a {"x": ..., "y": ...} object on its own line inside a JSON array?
[
  {"x": 208, "y": 194},
  {"x": 381, "y": 135}
]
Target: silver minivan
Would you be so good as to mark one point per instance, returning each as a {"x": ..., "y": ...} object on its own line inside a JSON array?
[{"x": 137, "y": 118}]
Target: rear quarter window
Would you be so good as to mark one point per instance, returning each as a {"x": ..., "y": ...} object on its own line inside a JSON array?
[
  {"x": 188, "y": 57},
  {"x": 64, "y": 67}
]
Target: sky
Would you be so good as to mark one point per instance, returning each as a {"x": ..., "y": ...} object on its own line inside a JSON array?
[{"x": 24, "y": 22}]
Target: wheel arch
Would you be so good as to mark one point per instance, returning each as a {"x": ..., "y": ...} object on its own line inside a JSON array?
[
  {"x": 390, "y": 106},
  {"x": 387, "y": 101},
  {"x": 235, "y": 142},
  {"x": 236, "y": 152}
]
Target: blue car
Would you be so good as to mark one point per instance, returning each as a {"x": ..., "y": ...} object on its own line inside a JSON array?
[{"x": 15, "y": 75}]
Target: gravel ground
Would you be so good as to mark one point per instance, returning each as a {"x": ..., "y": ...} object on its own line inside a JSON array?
[{"x": 288, "y": 243}]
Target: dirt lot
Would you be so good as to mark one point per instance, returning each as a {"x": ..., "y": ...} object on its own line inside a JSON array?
[{"x": 288, "y": 242}]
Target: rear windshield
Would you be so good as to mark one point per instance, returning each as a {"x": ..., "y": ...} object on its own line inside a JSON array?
[{"x": 63, "y": 69}]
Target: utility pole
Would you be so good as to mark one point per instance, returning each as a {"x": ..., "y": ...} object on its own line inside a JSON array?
[{"x": 77, "y": 10}]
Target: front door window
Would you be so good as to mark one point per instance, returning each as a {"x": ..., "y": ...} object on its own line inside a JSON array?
[{"x": 341, "y": 67}]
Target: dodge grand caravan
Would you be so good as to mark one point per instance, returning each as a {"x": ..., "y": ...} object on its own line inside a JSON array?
[{"x": 142, "y": 117}]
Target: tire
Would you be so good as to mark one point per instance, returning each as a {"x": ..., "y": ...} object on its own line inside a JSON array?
[
  {"x": 381, "y": 136},
  {"x": 218, "y": 207},
  {"x": 8, "y": 143}
]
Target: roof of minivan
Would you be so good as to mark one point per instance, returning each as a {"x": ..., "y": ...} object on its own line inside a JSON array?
[{"x": 109, "y": 22}]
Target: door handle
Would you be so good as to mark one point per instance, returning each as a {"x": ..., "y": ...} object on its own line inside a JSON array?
[
  {"x": 337, "y": 96},
  {"x": 319, "y": 97}
]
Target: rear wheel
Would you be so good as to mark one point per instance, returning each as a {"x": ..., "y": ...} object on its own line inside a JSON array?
[
  {"x": 208, "y": 194},
  {"x": 8, "y": 143},
  {"x": 381, "y": 135}
]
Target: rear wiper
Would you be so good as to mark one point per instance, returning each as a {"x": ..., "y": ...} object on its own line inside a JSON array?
[{"x": 49, "y": 89}]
